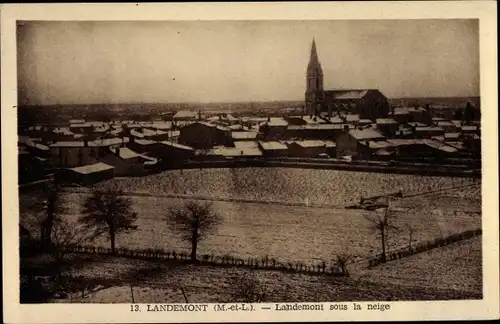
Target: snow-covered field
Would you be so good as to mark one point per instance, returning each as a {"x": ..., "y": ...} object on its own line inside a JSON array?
[{"x": 295, "y": 233}]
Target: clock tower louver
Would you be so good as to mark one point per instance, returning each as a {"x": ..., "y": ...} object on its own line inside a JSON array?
[{"x": 314, "y": 86}]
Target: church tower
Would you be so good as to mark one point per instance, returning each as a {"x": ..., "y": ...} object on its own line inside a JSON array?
[{"x": 314, "y": 87}]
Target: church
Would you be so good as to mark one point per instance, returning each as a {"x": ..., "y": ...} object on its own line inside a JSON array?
[{"x": 367, "y": 103}]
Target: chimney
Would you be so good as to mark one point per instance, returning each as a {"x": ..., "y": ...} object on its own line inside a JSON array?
[
  {"x": 117, "y": 151},
  {"x": 346, "y": 128},
  {"x": 85, "y": 143}
]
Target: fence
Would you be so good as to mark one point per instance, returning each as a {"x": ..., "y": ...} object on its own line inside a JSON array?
[
  {"x": 425, "y": 246},
  {"x": 265, "y": 263}
]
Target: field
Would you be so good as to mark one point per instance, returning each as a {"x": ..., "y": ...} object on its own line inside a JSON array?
[
  {"x": 309, "y": 186},
  {"x": 457, "y": 266},
  {"x": 295, "y": 233},
  {"x": 158, "y": 282}
]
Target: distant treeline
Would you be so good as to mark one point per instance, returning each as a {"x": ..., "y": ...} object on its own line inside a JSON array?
[
  {"x": 30, "y": 115},
  {"x": 452, "y": 102}
]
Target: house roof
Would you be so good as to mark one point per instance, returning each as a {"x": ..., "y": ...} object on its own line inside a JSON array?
[
  {"x": 243, "y": 135},
  {"x": 452, "y": 135},
  {"x": 185, "y": 114},
  {"x": 336, "y": 120},
  {"x": 365, "y": 134},
  {"x": 313, "y": 143},
  {"x": 429, "y": 129},
  {"x": 235, "y": 127},
  {"x": 109, "y": 141},
  {"x": 81, "y": 125},
  {"x": 92, "y": 168},
  {"x": 351, "y": 118},
  {"x": 246, "y": 144},
  {"x": 404, "y": 110},
  {"x": 77, "y": 121},
  {"x": 417, "y": 124},
  {"x": 401, "y": 141},
  {"x": 30, "y": 143},
  {"x": 444, "y": 123},
  {"x": 382, "y": 121},
  {"x": 124, "y": 153},
  {"x": 272, "y": 145},
  {"x": 237, "y": 151},
  {"x": 150, "y": 132},
  {"x": 313, "y": 120},
  {"x": 379, "y": 144},
  {"x": 440, "y": 146},
  {"x": 63, "y": 131},
  {"x": 469, "y": 128},
  {"x": 347, "y": 94},
  {"x": 179, "y": 146},
  {"x": 276, "y": 121}
]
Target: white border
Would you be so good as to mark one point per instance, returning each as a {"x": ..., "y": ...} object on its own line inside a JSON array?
[{"x": 55, "y": 313}]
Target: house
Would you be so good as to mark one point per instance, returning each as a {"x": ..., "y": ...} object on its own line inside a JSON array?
[
  {"x": 387, "y": 126},
  {"x": 375, "y": 150},
  {"x": 311, "y": 148},
  {"x": 447, "y": 125},
  {"x": 415, "y": 149},
  {"x": 403, "y": 114},
  {"x": 335, "y": 120},
  {"x": 125, "y": 161},
  {"x": 34, "y": 147},
  {"x": 348, "y": 140},
  {"x": 295, "y": 120},
  {"x": 238, "y": 152},
  {"x": 230, "y": 119},
  {"x": 160, "y": 125},
  {"x": 473, "y": 145},
  {"x": 243, "y": 136},
  {"x": 274, "y": 129},
  {"x": 469, "y": 129},
  {"x": 185, "y": 115},
  {"x": 428, "y": 131},
  {"x": 365, "y": 122},
  {"x": 167, "y": 152},
  {"x": 76, "y": 153},
  {"x": 351, "y": 119},
  {"x": 273, "y": 149},
  {"x": 87, "y": 174},
  {"x": 149, "y": 134},
  {"x": 73, "y": 153},
  {"x": 60, "y": 134},
  {"x": 203, "y": 135}
]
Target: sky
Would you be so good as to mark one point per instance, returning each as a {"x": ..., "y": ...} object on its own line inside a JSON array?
[{"x": 229, "y": 61}]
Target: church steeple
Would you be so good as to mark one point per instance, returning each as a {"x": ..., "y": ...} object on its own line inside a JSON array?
[
  {"x": 314, "y": 78},
  {"x": 314, "y": 66}
]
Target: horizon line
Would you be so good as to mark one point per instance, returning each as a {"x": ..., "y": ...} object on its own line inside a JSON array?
[{"x": 219, "y": 102}]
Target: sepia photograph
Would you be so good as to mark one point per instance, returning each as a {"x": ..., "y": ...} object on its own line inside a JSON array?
[
  {"x": 248, "y": 161},
  {"x": 174, "y": 164}
]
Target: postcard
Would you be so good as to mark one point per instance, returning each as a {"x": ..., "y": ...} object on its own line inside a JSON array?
[{"x": 248, "y": 162}]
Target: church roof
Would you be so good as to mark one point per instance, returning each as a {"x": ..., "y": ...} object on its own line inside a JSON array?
[{"x": 348, "y": 93}]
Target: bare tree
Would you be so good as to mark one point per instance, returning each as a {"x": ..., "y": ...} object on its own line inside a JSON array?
[
  {"x": 410, "y": 229},
  {"x": 246, "y": 288},
  {"x": 381, "y": 224},
  {"x": 52, "y": 207},
  {"x": 194, "y": 221},
  {"x": 63, "y": 234},
  {"x": 108, "y": 211},
  {"x": 342, "y": 260}
]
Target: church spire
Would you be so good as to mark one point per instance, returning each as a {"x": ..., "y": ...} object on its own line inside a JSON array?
[
  {"x": 314, "y": 54},
  {"x": 314, "y": 66},
  {"x": 314, "y": 82}
]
